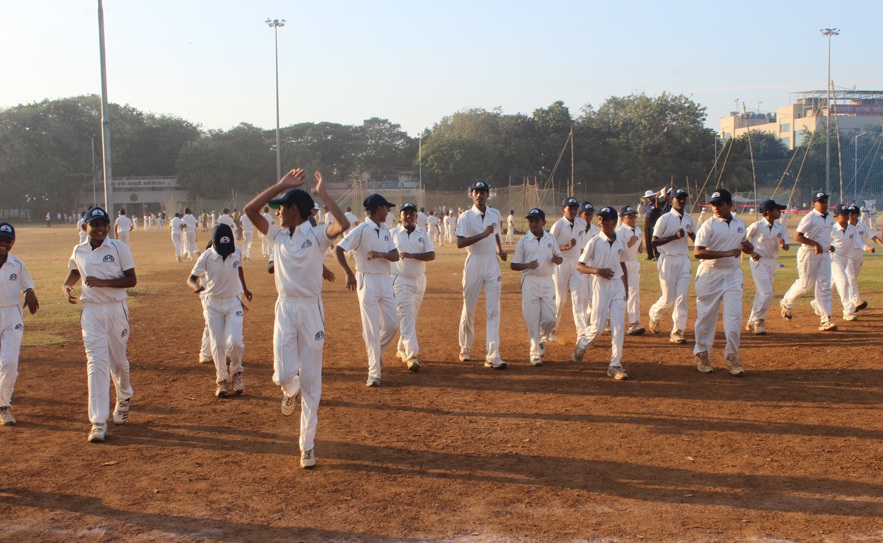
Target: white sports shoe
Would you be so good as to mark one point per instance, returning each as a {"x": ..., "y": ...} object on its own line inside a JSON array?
[
  {"x": 617, "y": 372},
  {"x": 536, "y": 361},
  {"x": 733, "y": 366},
  {"x": 6, "y": 418},
  {"x": 98, "y": 433},
  {"x": 759, "y": 328},
  {"x": 850, "y": 318},
  {"x": 238, "y": 384},
  {"x": 827, "y": 326},
  {"x": 578, "y": 351},
  {"x": 221, "y": 391},
  {"x": 289, "y": 404},
  {"x": 677, "y": 336},
  {"x": 413, "y": 364},
  {"x": 121, "y": 411},
  {"x": 702, "y": 363},
  {"x": 786, "y": 312},
  {"x": 465, "y": 356},
  {"x": 308, "y": 459},
  {"x": 654, "y": 326},
  {"x": 372, "y": 382}
]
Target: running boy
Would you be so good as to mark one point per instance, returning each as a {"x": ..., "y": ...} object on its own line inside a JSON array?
[
  {"x": 767, "y": 236},
  {"x": 299, "y": 329},
  {"x": 570, "y": 236},
  {"x": 107, "y": 269},
  {"x": 536, "y": 256},
  {"x": 845, "y": 241},
  {"x": 14, "y": 280},
  {"x": 604, "y": 257},
  {"x": 630, "y": 233},
  {"x": 221, "y": 269},
  {"x": 719, "y": 244}
]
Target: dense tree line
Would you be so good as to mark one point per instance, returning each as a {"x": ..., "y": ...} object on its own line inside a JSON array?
[{"x": 625, "y": 145}]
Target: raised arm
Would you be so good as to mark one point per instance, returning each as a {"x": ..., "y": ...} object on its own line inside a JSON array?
[
  {"x": 292, "y": 179},
  {"x": 341, "y": 223}
]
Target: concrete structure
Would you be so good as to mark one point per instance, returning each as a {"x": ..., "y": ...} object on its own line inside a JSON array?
[
  {"x": 139, "y": 194},
  {"x": 855, "y": 110}
]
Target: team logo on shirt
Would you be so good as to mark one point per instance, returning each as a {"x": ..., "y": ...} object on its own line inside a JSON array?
[
  {"x": 419, "y": 240},
  {"x": 306, "y": 244},
  {"x": 19, "y": 326},
  {"x": 235, "y": 264},
  {"x": 239, "y": 313},
  {"x": 124, "y": 333},
  {"x": 108, "y": 258},
  {"x": 500, "y": 278},
  {"x": 13, "y": 277},
  {"x": 320, "y": 336},
  {"x": 386, "y": 238},
  {"x": 740, "y": 230},
  {"x": 619, "y": 250}
]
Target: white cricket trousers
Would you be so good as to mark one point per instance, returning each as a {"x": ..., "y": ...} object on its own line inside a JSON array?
[
  {"x": 105, "y": 335},
  {"x": 408, "y": 298},
  {"x": 247, "y": 239},
  {"x": 124, "y": 237},
  {"x": 11, "y": 330},
  {"x": 714, "y": 286},
  {"x": 224, "y": 318},
  {"x": 567, "y": 280},
  {"x": 763, "y": 272},
  {"x": 538, "y": 308},
  {"x": 481, "y": 271},
  {"x": 192, "y": 248},
  {"x": 510, "y": 234},
  {"x": 449, "y": 234},
  {"x": 852, "y": 270},
  {"x": 839, "y": 270},
  {"x": 379, "y": 321},
  {"x": 674, "y": 279},
  {"x": 179, "y": 248},
  {"x": 298, "y": 339},
  {"x": 633, "y": 304},
  {"x": 812, "y": 269},
  {"x": 608, "y": 304}
]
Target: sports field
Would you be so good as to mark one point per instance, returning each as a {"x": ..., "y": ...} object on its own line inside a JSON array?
[{"x": 457, "y": 452}]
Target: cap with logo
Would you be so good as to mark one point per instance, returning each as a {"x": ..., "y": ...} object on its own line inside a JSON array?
[
  {"x": 586, "y": 207},
  {"x": 374, "y": 201},
  {"x": 628, "y": 210},
  {"x": 479, "y": 185},
  {"x": 854, "y": 209},
  {"x": 721, "y": 196},
  {"x": 536, "y": 213},
  {"x": 680, "y": 193},
  {"x": 819, "y": 196},
  {"x": 96, "y": 213},
  {"x": 608, "y": 213},
  {"x": 408, "y": 205},
  {"x": 298, "y": 198},
  {"x": 7, "y": 230},
  {"x": 769, "y": 205},
  {"x": 570, "y": 202},
  {"x": 222, "y": 240},
  {"x": 841, "y": 209}
]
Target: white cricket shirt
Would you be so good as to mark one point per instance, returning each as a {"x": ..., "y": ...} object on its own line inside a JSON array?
[
  {"x": 14, "y": 279},
  {"x": 603, "y": 252},
  {"x": 625, "y": 233},
  {"x": 190, "y": 222},
  {"x": 221, "y": 275},
  {"x": 369, "y": 236},
  {"x": 417, "y": 241},
  {"x": 473, "y": 222},
  {"x": 542, "y": 249},
  {"x": 124, "y": 223},
  {"x": 563, "y": 231},
  {"x": 719, "y": 235},
  {"x": 668, "y": 225},
  {"x": 845, "y": 240},
  {"x": 765, "y": 237},
  {"x": 817, "y": 227},
  {"x": 298, "y": 258},
  {"x": 176, "y": 225},
  {"x": 108, "y": 261}
]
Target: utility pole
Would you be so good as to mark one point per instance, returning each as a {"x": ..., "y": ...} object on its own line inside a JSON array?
[
  {"x": 828, "y": 32},
  {"x": 105, "y": 122},
  {"x": 275, "y": 24}
]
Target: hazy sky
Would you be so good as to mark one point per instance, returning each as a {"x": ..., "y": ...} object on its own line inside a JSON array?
[{"x": 413, "y": 62}]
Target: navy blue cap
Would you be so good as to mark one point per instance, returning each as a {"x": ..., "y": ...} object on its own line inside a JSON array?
[
  {"x": 298, "y": 198},
  {"x": 854, "y": 209},
  {"x": 374, "y": 201},
  {"x": 7, "y": 230},
  {"x": 721, "y": 195},
  {"x": 570, "y": 201},
  {"x": 680, "y": 193},
  {"x": 627, "y": 210},
  {"x": 586, "y": 207},
  {"x": 768, "y": 205},
  {"x": 479, "y": 185},
  {"x": 222, "y": 240},
  {"x": 408, "y": 205},
  {"x": 841, "y": 209},
  {"x": 821, "y": 195},
  {"x": 536, "y": 213},
  {"x": 96, "y": 213},
  {"x": 608, "y": 213}
]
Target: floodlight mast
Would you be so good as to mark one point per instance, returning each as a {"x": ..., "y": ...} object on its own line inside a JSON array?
[
  {"x": 275, "y": 24},
  {"x": 828, "y": 32}
]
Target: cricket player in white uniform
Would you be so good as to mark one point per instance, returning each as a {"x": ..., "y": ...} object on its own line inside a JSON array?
[
  {"x": 719, "y": 245},
  {"x": 224, "y": 282},
  {"x": 266, "y": 242},
  {"x": 845, "y": 241},
  {"x": 569, "y": 233},
  {"x": 371, "y": 244},
  {"x": 434, "y": 232},
  {"x": 107, "y": 269},
  {"x": 604, "y": 256},
  {"x": 122, "y": 227},
  {"x": 190, "y": 225},
  {"x": 670, "y": 238},
  {"x": 226, "y": 218},
  {"x": 14, "y": 280},
  {"x": 422, "y": 219},
  {"x": 855, "y": 260},
  {"x": 450, "y": 226},
  {"x": 631, "y": 235},
  {"x": 351, "y": 217},
  {"x": 536, "y": 257},
  {"x": 478, "y": 231},
  {"x": 510, "y": 227},
  {"x": 177, "y": 227},
  {"x": 766, "y": 235},
  {"x": 299, "y": 329},
  {"x": 813, "y": 263},
  {"x": 247, "y": 236},
  {"x": 81, "y": 232},
  {"x": 409, "y": 281},
  {"x": 587, "y": 214}
]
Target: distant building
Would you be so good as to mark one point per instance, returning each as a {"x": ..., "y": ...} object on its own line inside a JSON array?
[
  {"x": 141, "y": 194},
  {"x": 855, "y": 110}
]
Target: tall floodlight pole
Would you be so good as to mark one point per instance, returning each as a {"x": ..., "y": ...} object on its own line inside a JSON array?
[
  {"x": 275, "y": 24},
  {"x": 105, "y": 119},
  {"x": 94, "y": 197},
  {"x": 828, "y": 32},
  {"x": 855, "y": 174}
]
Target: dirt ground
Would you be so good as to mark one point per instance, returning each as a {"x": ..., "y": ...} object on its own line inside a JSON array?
[{"x": 456, "y": 452}]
